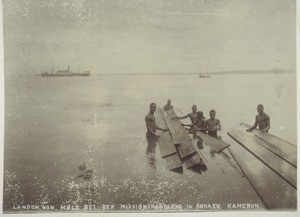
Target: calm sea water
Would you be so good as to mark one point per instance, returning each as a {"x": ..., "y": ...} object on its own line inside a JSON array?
[{"x": 52, "y": 125}]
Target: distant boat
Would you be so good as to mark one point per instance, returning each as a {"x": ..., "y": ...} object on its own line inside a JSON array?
[
  {"x": 64, "y": 73},
  {"x": 203, "y": 76}
]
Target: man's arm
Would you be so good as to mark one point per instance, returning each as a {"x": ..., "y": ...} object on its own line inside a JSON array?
[
  {"x": 183, "y": 117},
  {"x": 254, "y": 126},
  {"x": 161, "y": 129}
]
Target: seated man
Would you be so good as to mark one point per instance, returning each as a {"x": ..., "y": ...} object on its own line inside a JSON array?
[
  {"x": 262, "y": 120},
  {"x": 213, "y": 124}
]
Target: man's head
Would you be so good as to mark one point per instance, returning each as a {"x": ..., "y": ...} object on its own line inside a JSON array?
[
  {"x": 169, "y": 102},
  {"x": 152, "y": 107},
  {"x": 260, "y": 109},
  {"x": 194, "y": 108},
  {"x": 212, "y": 114}
]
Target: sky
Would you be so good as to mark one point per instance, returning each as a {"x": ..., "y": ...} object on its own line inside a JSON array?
[{"x": 148, "y": 36}]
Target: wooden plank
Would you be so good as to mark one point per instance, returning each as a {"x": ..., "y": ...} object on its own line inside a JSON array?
[
  {"x": 180, "y": 136},
  {"x": 178, "y": 132},
  {"x": 165, "y": 142},
  {"x": 275, "y": 163},
  {"x": 217, "y": 145},
  {"x": 274, "y": 192},
  {"x": 173, "y": 163},
  {"x": 160, "y": 118},
  {"x": 280, "y": 147},
  {"x": 186, "y": 149},
  {"x": 195, "y": 163},
  {"x": 171, "y": 114}
]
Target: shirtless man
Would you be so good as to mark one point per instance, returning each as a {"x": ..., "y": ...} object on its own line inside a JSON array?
[
  {"x": 193, "y": 116},
  {"x": 262, "y": 120},
  {"x": 168, "y": 106},
  {"x": 213, "y": 124},
  {"x": 200, "y": 125},
  {"x": 152, "y": 138}
]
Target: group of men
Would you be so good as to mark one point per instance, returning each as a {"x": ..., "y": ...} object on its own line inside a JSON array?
[{"x": 199, "y": 123}]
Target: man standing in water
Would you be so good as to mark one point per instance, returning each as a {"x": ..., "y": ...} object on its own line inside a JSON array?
[
  {"x": 152, "y": 138},
  {"x": 168, "y": 106},
  {"x": 213, "y": 124},
  {"x": 262, "y": 120}
]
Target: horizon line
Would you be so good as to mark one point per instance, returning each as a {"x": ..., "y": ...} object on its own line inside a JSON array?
[{"x": 246, "y": 71}]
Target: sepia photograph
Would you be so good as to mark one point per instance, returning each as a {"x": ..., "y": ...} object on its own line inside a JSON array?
[{"x": 149, "y": 106}]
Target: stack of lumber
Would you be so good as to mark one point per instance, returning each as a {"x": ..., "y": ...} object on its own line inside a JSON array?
[
  {"x": 269, "y": 163},
  {"x": 176, "y": 146}
]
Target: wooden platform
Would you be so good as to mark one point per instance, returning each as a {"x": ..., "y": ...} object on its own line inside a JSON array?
[
  {"x": 251, "y": 143},
  {"x": 285, "y": 150}
]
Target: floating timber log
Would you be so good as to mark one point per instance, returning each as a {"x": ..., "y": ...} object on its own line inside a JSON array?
[
  {"x": 217, "y": 145},
  {"x": 283, "y": 169},
  {"x": 280, "y": 147}
]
